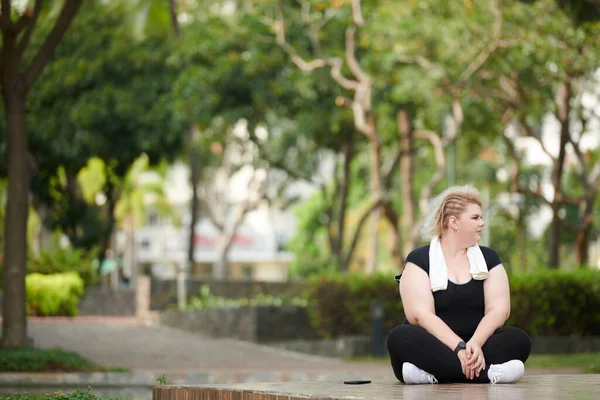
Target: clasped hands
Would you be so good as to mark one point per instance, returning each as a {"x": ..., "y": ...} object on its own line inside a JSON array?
[{"x": 472, "y": 360}]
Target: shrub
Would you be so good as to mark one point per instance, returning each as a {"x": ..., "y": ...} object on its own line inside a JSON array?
[
  {"x": 61, "y": 260},
  {"x": 44, "y": 360},
  {"x": 341, "y": 304},
  {"x": 543, "y": 303},
  {"x": 76, "y": 395},
  {"x": 205, "y": 299},
  {"x": 556, "y": 302},
  {"x": 56, "y": 294}
]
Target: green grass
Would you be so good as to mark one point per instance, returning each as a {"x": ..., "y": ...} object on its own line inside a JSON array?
[
  {"x": 76, "y": 395},
  {"x": 590, "y": 362},
  {"x": 47, "y": 360}
]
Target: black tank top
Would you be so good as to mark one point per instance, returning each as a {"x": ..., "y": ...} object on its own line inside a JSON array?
[{"x": 460, "y": 306}]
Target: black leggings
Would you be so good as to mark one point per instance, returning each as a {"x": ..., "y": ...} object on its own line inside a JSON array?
[{"x": 413, "y": 344}]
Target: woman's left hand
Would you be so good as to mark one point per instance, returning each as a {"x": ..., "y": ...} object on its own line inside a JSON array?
[{"x": 476, "y": 358}]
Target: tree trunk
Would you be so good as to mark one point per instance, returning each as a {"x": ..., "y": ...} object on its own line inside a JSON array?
[
  {"x": 173, "y": 14},
  {"x": 522, "y": 240},
  {"x": 564, "y": 109},
  {"x": 582, "y": 241},
  {"x": 111, "y": 201},
  {"x": 44, "y": 239},
  {"x": 16, "y": 80},
  {"x": 14, "y": 326},
  {"x": 131, "y": 256},
  {"x": 582, "y": 246},
  {"x": 221, "y": 266},
  {"x": 406, "y": 178},
  {"x": 194, "y": 178},
  {"x": 377, "y": 190},
  {"x": 343, "y": 198}
]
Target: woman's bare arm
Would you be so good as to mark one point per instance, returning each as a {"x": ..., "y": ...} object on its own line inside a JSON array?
[
  {"x": 419, "y": 306},
  {"x": 497, "y": 304}
]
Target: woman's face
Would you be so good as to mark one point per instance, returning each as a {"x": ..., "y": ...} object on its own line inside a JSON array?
[{"x": 470, "y": 224}]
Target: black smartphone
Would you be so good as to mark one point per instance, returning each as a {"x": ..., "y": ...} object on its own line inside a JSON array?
[{"x": 358, "y": 382}]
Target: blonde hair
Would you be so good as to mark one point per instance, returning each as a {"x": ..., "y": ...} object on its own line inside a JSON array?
[{"x": 452, "y": 202}]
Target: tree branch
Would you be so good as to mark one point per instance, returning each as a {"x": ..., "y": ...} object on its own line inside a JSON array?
[
  {"x": 308, "y": 66},
  {"x": 488, "y": 50},
  {"x": 5, "y": 21},
  {"x": 390, "y": 166},
  {"x": 440, "y": 161},
  {"x": 31, "y": 20},
  {"x": 372, "y": 207},
  {"x": 528, "y": 132},
  {"x": 357, "y": 13},
  {"x": 213, "y": 217},
  {"x": 353, "y": 64},
  {"x": 329, "y": 213},
  {"x": 584, "y": 171},
  {"x": 277, "y": 164},
  {"x": 67, "y": 13},
  {"x": 336, "y": 74},
  {"x": 421, "y": 61},
  {"x": 514, "y": 179}
]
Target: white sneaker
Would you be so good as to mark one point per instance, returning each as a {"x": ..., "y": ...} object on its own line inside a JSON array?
[
  {"x": 509, "y": 372},
  {"x": 413, "y": 375}
]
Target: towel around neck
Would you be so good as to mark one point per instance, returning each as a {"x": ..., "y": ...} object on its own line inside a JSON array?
[{"x": 438, "y": 271}]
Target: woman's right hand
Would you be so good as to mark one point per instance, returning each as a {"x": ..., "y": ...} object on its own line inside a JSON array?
[{"x": 464, "y": 363}]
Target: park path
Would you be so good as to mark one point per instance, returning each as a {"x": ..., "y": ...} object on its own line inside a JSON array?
[{"x": 123, "y": 342}]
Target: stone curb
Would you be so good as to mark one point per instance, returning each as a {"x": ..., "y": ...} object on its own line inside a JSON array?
[
  {"x": 148, "y": 378},
  {"x": 75, "y": 379}
]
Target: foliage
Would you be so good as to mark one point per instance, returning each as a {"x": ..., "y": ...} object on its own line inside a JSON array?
[
  {"x": 102, "y": 97},
  {"x": 205, "y": 299},
  {"x": 45, "y": 360},
  {"x": 543, "y": 303},
  {"x": 56, "y": 294},
  {"x": 61, "y": 260},
  {"x": 310, "y": 243},
  {"x": 162, "y": 380},
  {"x": 556, "y": 302},
  {"x": 76, "y": 395},
  {"x": 341, "y": 304}
]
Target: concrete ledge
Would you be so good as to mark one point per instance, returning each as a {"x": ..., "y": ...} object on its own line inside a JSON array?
[
  {"x": 343, "y": 347},
  {"x": 258, "y": 324},
  {"x": 143, "y": 381},
  {"x": 147, "y": 378},
  {"x": 530, "y": 387},
  {"x": 356, "y": 346},
  {"x": 77, "y": 379}
]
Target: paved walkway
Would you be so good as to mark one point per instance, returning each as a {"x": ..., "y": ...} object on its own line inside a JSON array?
[
  {"x": 187, "y": 357},
  {"x": 552, "y": 387},
  {"x": 184, "y": 357},
  {"x": 191, "y": 359}
]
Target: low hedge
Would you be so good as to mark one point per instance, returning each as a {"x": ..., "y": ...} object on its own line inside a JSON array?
[
  {"x": 545, "y": 303},
  {"x": 556, "y": 303},
  {"x": 55, "y": 294},
  {"x": 340, "y": 304},
  {"x": 45, "y": 360}
]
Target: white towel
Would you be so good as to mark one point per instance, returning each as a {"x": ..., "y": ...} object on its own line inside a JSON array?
[{"x": 438, "y": 272}]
